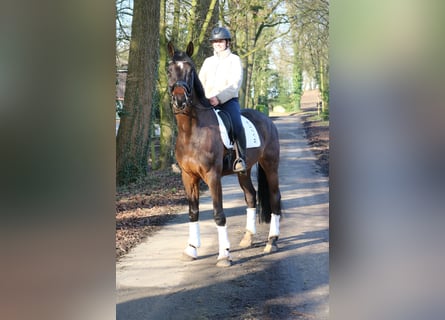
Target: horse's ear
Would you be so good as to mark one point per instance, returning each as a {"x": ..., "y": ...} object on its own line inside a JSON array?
[
  {"x": 170, "y": 49},
  {"x": 190, "y": 49}
]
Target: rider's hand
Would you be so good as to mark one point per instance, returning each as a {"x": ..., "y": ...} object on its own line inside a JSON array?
[{"x": 214, "y": 101}]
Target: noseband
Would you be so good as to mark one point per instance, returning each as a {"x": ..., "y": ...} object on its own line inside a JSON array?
[
  {"x": 185, "y": 90},
  {"x": 181, "y": 87}
]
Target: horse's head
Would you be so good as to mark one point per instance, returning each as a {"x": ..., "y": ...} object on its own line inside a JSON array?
[{"x": 180, "y": 74}]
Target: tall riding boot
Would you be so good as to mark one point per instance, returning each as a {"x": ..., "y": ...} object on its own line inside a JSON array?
[{"x": 240, "y": 163}]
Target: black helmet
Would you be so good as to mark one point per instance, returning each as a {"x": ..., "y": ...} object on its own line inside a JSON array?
[{"x": 220, "y": 33}]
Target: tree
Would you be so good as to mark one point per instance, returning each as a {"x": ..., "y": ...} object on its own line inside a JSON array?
[
  {"x": 133, "y": 135},
  {"x": 166, "y": 118},
  {"x": 207, "y": 13},
  {"x": 297, "y": 76},
  {"x": 310, "y": 19},
  {"x": 254, "y": 25}
]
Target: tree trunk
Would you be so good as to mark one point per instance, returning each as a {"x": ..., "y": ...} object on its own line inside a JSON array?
[
  {"x": 176, "y": 24},
  {"x": 244, "y": 43},
  {"x": 192, "y": 22},
  {"x": 208, "y": 13},
  {"x": 133, "y": 135},
  {"x": 166, "y": 116},
  {"x": 248, "y": 92},
  {"x": 298, "y": 73},
  {"x": 324, "y": 87}
]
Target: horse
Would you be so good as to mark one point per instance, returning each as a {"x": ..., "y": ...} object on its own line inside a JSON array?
[{"x": 201, "y": 155}]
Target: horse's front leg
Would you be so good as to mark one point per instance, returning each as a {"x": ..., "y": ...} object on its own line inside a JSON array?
[
  {"x": 191, "y": 185},
  {"x": 224, "y": 257}
]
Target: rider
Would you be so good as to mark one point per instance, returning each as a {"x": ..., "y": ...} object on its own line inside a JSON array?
[{"x": 221, "y": 76}]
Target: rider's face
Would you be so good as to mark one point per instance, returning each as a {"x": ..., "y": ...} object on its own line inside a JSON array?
[{"x": 219, "y": 45}]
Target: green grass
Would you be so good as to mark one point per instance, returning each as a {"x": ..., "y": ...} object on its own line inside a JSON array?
[{"x": 318, "y": 118}]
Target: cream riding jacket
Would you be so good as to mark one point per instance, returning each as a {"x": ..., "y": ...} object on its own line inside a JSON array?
[{"x": 221, "y": 75}]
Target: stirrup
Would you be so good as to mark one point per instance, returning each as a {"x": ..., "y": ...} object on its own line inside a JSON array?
[{"x": 242, "y": 163}]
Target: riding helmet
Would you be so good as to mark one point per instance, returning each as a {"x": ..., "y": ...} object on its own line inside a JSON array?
[{"x": 220, "y": 33}]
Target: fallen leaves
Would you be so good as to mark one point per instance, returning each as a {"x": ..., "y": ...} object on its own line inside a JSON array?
[
  {"x": 317, "y": 133},
  {"x": 143, "y": 207}
]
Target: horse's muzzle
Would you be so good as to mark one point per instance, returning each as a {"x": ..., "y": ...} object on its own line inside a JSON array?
[{"x": 180, "y": 96}]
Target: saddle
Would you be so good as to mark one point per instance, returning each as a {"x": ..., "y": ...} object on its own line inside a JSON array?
[{"x": 227, "y": 134}]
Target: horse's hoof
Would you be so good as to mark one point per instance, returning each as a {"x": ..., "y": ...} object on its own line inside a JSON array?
[
  {"x": 246, "y": 241},
  {"x": 224, "y": 262},
  {"x": 271, "y": 245},
  {"x": 189, "y": 254},
  {"x": 270, "y": 248}
]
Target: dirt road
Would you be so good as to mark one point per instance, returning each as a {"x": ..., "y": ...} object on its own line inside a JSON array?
[{"x": 293, "y": 283}]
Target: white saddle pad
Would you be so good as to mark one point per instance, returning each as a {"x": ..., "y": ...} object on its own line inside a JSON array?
[{"x": 252, "y": 137}]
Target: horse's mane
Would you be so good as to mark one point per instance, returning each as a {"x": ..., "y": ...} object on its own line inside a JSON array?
[{"x": 199, "y": 89}]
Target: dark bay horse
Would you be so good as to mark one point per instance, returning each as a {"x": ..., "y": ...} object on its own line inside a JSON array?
[{"x": 200, "y": 153}]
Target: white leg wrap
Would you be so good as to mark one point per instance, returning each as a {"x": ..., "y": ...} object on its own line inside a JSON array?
[
  {"x": 274, "y": 230},
  {"x": 194, "y": 234},
  {"x": 251, "y": 220},
  {"x": 224, "y": 244}
]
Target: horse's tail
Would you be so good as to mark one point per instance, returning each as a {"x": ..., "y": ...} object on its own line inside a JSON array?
[{"x": 264, "y": 209}]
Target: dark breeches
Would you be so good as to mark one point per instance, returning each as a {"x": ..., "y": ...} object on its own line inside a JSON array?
[{"x": 233, "y": 108}]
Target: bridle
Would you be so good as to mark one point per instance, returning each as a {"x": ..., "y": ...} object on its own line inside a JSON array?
[
  {"x": 185, "y": 89},
  {"x": 183, "y": 105}
]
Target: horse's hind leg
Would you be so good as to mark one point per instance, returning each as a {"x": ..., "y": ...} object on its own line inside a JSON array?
[
  {"x": 275, "y": 207},
  {"x": 274, "y": 232},
  {"x": 250, "y": 197}
]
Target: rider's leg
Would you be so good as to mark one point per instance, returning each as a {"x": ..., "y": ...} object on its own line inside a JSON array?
[
  {"x": 240, "y": 163},
  {"x": 233, "y": 108}
]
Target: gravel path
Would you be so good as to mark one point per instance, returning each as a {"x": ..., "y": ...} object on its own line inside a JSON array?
[{"x": 293, "y": 283}]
